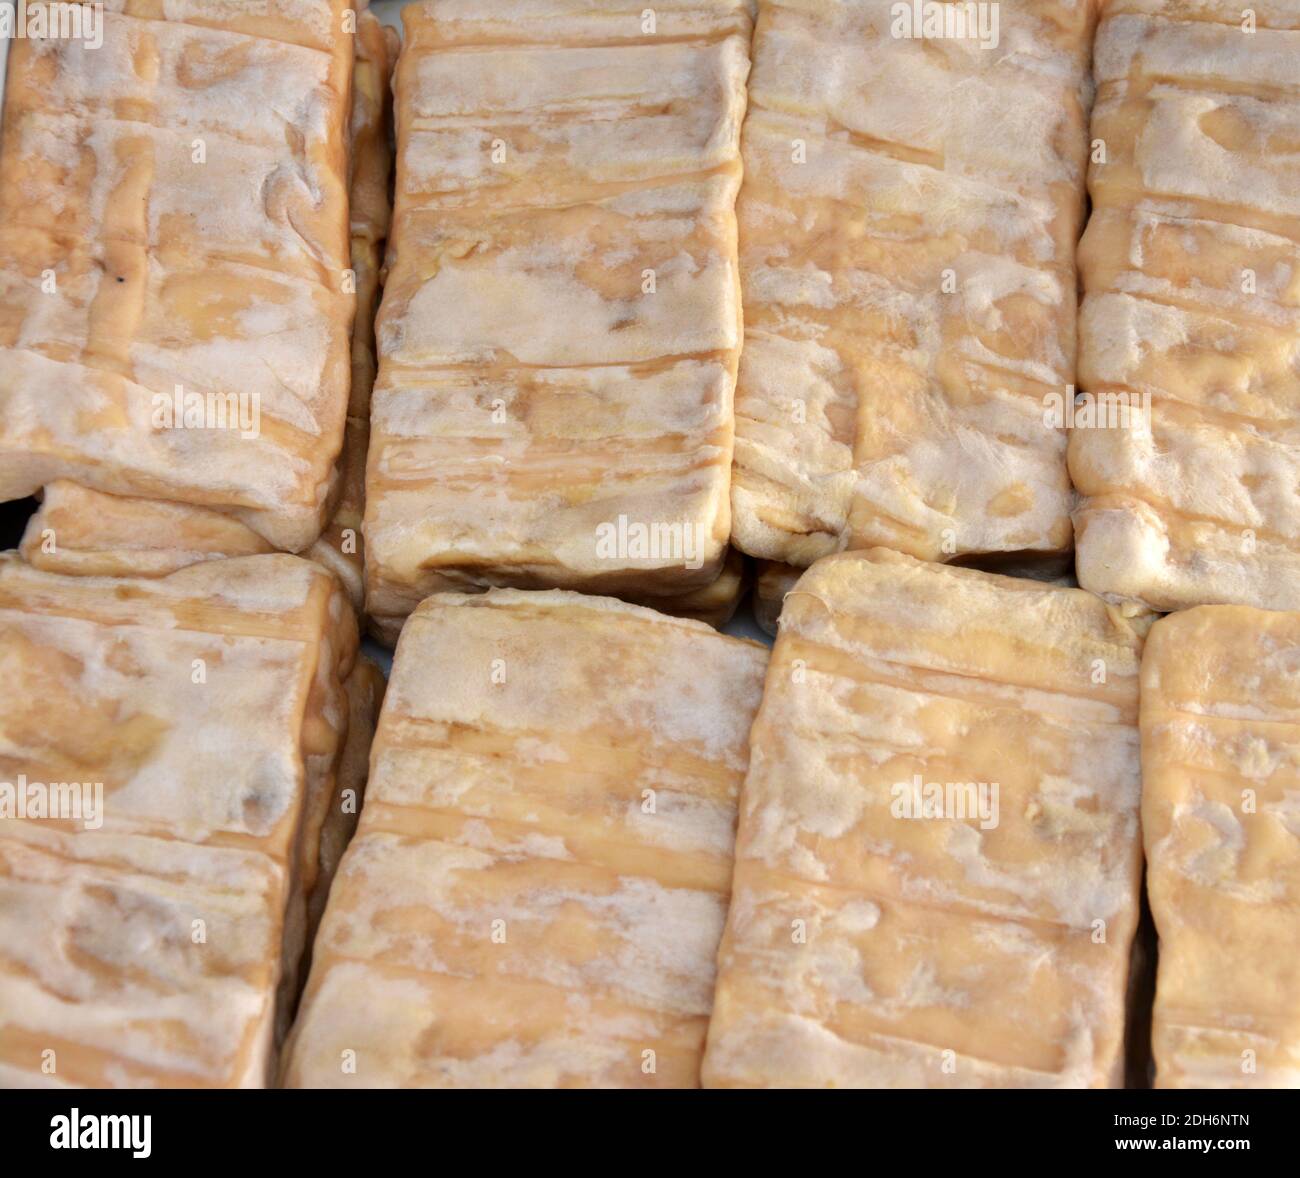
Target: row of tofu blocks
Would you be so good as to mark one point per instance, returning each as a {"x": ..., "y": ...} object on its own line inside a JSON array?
[
  {"x": 579, "y": 219},
  {"x": 542, "y": 877},
  {"x": 944, "y": 781}
]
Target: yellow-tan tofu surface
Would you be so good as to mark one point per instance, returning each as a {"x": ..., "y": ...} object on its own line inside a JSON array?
[
  {"x": 938, "y": 860},
  {"x": 561, "y": 321},
  {"x": 175, "y": 311},
  {"x": 1191, "y": 314},
  {"x": 78, "y": 529},
  {"x": 1221, "y": 823},
  {"x": 535, "y": 895},
  {"x": 908, "y": 222},
  {"x": 154, "y": 939}
]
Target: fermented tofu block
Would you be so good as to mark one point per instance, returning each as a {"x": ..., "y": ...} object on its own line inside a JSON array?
[
  {"x": 536, "y": 891},
  {"x": 174, "y": 313},
  {"x": 908, "y": 223},
  {"x": 561, "y": 321},
  {"x": 154, "y": 938},
  {"x": 938, "y": 862},
  {"x": 1220, "y": 783},
  {"x": 84, "y": 531},
  {"x": 1191, "y": 314}
]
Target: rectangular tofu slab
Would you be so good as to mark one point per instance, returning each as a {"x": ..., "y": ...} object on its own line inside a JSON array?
[
  {"x": 561, "y": 321},
  {"x": 1221, "y": 822},
  {"x": 536, "y": 891},
  {"x": 151, "y": 933},
  {"x": 175, "y": 308},
  {"x": 938, "y": 862},
  {"x": 78, "y": 529},
  {"x": 908, "y": 222},
  {"x": 1191, "y": 313}
]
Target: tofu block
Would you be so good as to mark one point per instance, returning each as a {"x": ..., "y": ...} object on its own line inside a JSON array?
[
  {"x": 83, "y": 531},
  {"x": 1189, "y": 330},
  {"x": 1221, "y": 822},
  {"x": 908, "y": 222},
  {"x": 560, "y": 326},
  {"x": 938, "y": 862},
  {"x": 169, "y": 752},
  {"x": 175, "y": 310},
  {"x": 536, "y": 891}
]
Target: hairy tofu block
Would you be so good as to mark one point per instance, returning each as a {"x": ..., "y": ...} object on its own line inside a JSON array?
[
  {"x": 170, "y": 754},
  {"x": 536, "y": 891},
  {"x": 1220, "y": 782},
  {"x": 938, "y": 862},
  {"x": 908, "y": 222},
  {"x": 560, "y": 326},
  {"x": 175, "y": 307},
  {"x": 1189, "y": 333},
  {"x": 81, "y": 530}
]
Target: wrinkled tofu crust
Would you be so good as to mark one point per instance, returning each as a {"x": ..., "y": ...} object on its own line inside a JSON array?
[
  {"x": 1191, "y": 274},
  {"x": 908, "y": 221},
  {"x": 536, "y": 891},
  {"x": 865, "y": 948},
  {"x": 80, "y": 530},
  {"x": 560, "y": 326},
  {"x": 1220, "y": 766},
  {"x": 160, "y": 229},
  {"x": 162, "y": 948}
]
